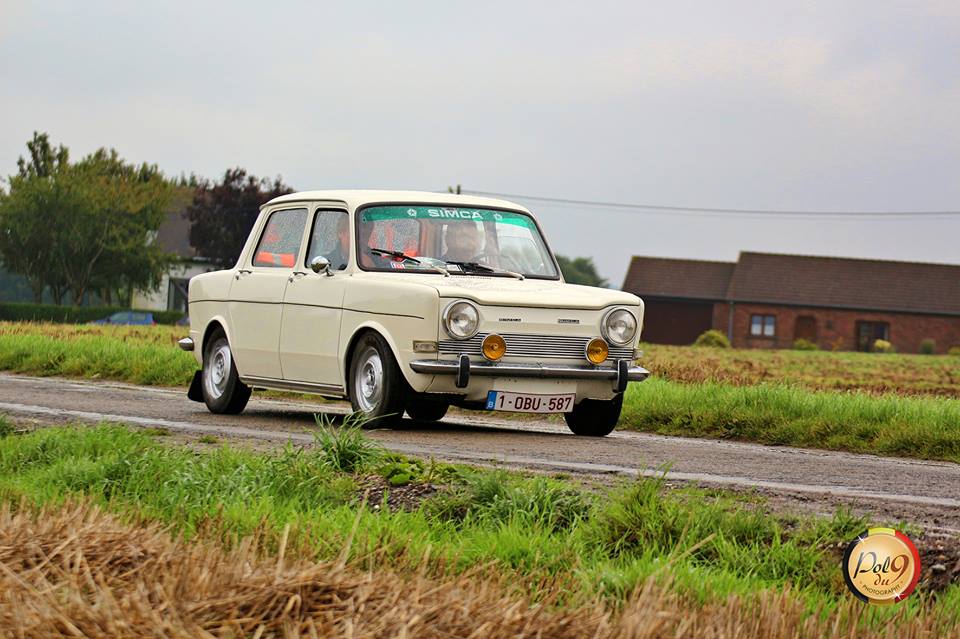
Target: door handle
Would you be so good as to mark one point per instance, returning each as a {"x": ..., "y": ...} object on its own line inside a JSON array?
[
  {"x": 241, "y": 272},
  {"x": 296, "y": 275}
]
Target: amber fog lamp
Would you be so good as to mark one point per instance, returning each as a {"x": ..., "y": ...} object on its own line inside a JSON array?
[
  {"x": 493, "y": 347},
  {"x": 597, "y": 351}
]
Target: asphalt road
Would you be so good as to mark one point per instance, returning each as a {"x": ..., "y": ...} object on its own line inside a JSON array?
[{"x": 926, "y": 493}]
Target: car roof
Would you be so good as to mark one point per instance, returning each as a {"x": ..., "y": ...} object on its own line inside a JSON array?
[{"x": 356, "y": 198}]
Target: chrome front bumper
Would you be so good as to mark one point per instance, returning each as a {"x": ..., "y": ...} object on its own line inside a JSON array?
[{"x": 621, "y": 373}]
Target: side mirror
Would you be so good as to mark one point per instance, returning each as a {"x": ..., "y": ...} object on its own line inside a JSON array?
[{"x": 320, "y": 264}]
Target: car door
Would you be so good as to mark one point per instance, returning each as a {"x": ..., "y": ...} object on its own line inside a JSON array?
[
  {"x": 313, "y": 305},
  {"x": 256, "y": 294}
]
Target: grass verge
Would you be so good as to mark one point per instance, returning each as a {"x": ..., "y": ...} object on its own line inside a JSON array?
[
  {"x": 139, "y": 581},
  {"x": 543, "y": 540},
  {"x": 922, "y": 427}
]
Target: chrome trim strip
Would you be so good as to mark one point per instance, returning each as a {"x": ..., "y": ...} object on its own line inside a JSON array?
[
  {"x": 288, "y": 385},
  {"x": 185, "y": 344},
  {"x": 549, "y": 371}
]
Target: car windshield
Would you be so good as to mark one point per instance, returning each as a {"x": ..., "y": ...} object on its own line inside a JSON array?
[{"x": 468, "y": 241}]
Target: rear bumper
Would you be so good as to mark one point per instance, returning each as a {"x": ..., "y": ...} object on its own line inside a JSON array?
[
  {"x": 463, "y": 368},
  {"x": 185, "y": 344}
]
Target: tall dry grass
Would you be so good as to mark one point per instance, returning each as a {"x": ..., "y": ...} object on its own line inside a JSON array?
[{"x": 74, "y": 571}]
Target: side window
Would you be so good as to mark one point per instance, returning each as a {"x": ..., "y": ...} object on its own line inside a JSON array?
[
  {"x": 280, "y": 242},
  {"x": 330, "y": 238}
]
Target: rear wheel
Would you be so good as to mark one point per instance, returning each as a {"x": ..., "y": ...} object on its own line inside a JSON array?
[
  {"x": 377, "y": 387},
  {"x": 223, "y": 392},
  {"x": 426, "y": 411},
  {"x": 595, "y": 417}
]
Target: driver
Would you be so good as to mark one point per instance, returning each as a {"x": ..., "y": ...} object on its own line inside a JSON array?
[{"x": 464, "y": 243}]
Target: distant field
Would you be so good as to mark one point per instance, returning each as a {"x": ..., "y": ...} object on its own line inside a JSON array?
[
  {"x": 837, "y": 401},
  {"x": 822, "y": 370},
  {"x": 284, "y": 540}
]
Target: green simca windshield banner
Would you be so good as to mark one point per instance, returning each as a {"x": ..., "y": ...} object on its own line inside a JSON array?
[{"x": 438, "y": 213}]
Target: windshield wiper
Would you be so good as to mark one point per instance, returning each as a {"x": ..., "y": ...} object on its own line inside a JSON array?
[
  {"x": 477, "y": 267},
  {"x": 396, "y": 254},
  {"x": 409, "y": 258}
]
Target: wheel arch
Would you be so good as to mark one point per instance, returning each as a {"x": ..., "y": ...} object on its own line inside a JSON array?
[
  {"x": 370, "y": 326},
  {"x": 215, "y": 324}
]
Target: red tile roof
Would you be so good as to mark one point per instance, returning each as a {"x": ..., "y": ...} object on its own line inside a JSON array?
[
  {"x": 667, "y": 277},
  {"x": 845, "y": 282},
  {"x": 775, "y": 278}
]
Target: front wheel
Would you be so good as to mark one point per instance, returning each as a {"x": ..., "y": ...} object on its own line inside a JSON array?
[
  {"x": 595, "y": 417},
  {"x": 223, "y": 392},
  {"x": 377, "y": 387}
]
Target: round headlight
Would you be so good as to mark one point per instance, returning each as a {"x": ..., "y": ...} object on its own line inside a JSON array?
[
  {"x": 461, "y": 320},
  {"x": 619, "y": 326}
]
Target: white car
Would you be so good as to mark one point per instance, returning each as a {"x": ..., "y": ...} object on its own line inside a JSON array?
[{"x": 411, "y": 302}]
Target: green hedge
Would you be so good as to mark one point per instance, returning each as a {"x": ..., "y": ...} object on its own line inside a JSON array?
[{"x": 20, "y": 312}]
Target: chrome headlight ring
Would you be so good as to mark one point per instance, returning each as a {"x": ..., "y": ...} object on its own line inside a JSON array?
[
  {"x": 461, "y": 319},
  {"x": 625, "y": 333}
]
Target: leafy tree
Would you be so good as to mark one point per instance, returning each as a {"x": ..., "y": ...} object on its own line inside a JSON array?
[
  {"x": 580, "y": 270},
  {"x": 124, "y": 206},
  {"x": 223, "y": 214},
  {"x": 29, "y": 216},
  {"x": 72, "y": 227}
]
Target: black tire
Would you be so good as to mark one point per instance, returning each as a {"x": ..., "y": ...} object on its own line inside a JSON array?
[
  {"x": 223, "y": 392},
  {"x": 376, "y": 386},
  {"x": 425, "y": 410},
  {"x": 595, "y": 417}
]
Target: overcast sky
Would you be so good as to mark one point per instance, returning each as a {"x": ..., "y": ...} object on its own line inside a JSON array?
[{"x": 826, "y": 106}]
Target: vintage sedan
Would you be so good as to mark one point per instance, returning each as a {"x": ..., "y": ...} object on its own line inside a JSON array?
[{"x": 411, "y": 302}]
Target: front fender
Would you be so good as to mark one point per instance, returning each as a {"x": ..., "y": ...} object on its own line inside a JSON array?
[{"x": 398, "y": 332}]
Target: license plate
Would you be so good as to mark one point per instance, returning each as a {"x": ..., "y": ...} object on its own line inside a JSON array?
[{"x": 526, "y": 403}]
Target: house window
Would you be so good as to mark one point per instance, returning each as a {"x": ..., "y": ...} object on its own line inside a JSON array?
[
  {"x": 870, "y": 332},
  {"x": 763, "y": 325}
]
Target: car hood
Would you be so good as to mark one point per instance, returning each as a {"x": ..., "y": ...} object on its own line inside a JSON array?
[{"x": 504, "y": 291}]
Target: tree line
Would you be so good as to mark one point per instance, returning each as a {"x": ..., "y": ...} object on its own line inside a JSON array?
[{"x": 71, "y": 228}]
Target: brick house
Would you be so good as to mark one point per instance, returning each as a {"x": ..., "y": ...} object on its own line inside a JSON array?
[{"x": 768, "y": 300}]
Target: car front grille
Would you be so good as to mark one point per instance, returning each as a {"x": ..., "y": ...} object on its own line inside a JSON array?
[{"x": 526, "y": 345}]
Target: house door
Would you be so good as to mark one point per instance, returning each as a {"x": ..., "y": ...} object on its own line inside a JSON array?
[
  {"x": 806, "y": 328},
  {"x": 869, "y": 332}
]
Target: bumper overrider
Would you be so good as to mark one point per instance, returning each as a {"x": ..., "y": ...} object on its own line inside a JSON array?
[{"x": 620, "y": 374}]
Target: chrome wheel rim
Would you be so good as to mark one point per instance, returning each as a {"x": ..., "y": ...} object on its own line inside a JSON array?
[
  {"x": 217, "y": 371},
  {"x": 368, "y": 380}
]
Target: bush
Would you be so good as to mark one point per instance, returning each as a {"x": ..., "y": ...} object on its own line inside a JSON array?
[
  {"x": 883, "y": 346},
  {"x": 346, "y": 449},
  {"x": 927, "y": 346},
  {"x": 712, "y": 338},
  {"x": 801, "y": 344},
  {"x": 954, "y": 350},
  {"x": 22, "y": 312}
]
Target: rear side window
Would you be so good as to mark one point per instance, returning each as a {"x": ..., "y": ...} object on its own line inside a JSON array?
[{"x": 280, "y": 243}]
